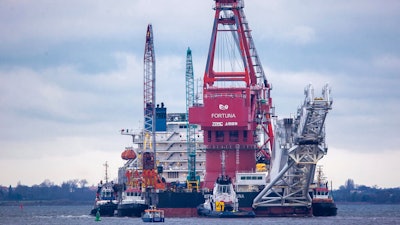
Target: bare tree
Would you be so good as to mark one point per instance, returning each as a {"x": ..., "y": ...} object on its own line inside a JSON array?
[
  {"x": 46, "y": 183},
  {"x": 83, "y": 183},
  {"x": 349, "y": 185}
]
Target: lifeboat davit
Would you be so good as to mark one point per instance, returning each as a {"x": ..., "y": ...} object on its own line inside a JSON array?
[{"x": 128, "y": 154}]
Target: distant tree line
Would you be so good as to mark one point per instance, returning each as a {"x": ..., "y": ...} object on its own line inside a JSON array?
[
  {"x": 350, "y": 192},
  {"x": 72, "y": 191},
  {"x": 76, "y": 192}
]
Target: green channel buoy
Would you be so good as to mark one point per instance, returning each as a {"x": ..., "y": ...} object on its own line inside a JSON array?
[{"x": 98, "y": 215}]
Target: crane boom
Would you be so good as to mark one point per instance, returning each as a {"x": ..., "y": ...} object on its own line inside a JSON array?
[
  {"x": 192, "y": 180},
  {"x": 151, "y": 179},
  {"x": 149, "y": 93}
]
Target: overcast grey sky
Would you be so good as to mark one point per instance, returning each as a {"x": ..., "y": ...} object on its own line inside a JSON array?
[{"x": 71, "y": 76}]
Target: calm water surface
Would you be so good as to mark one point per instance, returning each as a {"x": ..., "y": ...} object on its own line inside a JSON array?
[{"x": 45, "y": 215}]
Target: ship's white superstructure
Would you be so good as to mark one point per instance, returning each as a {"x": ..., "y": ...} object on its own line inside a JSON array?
[{"x": 171, "y": 150}]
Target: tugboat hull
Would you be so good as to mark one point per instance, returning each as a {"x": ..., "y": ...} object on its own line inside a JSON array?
[
  {"x": 201, "y": 211},
  {"x": 324, "y": 209},
  {"x": 107, "y": 209}
]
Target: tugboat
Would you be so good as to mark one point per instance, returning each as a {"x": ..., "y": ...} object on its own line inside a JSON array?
[
  {"x": 132, "y": 202},
  {"x": 322, "y": 201},
  {"x": 105, "y": 203},
  {"x": 223, "y": 202},
  {"x": 153, "y": 215}
]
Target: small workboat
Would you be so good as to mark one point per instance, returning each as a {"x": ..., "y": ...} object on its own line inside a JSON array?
[{"x": 153, "y": 215}]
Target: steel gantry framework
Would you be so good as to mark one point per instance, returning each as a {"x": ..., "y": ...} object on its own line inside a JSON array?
[{"x": 300, "y": 144}]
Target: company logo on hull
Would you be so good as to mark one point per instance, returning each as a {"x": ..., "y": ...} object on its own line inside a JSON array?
[
  {"x": 223, "y": 107},
  {"x": 223, "y": 116}
]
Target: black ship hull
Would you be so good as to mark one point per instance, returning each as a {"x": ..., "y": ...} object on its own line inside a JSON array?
[
  {"x": 178, "y": 204},
  {"x": 324, "y": 209},
  {"x": 131, "y": 210},
  {"x": 107, "y": 209},
  {"x": 185, "y": 204}
]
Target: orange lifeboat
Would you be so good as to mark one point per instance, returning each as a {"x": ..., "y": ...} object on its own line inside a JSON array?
[{"x": 128, "y": 154}]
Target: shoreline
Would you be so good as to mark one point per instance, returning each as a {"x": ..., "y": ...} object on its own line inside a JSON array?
[{"x": 60, "y": 202}]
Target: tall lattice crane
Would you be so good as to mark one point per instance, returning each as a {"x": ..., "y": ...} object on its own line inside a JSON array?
[
  {"x": 192, "y": 180},
  {"x": 148, "y": 136},
  {"x": 149, "y": 173},
  {"x": 149, "y": 87}
]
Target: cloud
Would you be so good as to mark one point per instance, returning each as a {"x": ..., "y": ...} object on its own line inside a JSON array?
[
  {"x": 64, "y": 92},
  {"x": 301, "y": 35},
  {"x": 387, "y": 62},
  {"x": 58, "y": 169},
  {"x": 342, "y": 164},
  {"x": 53, "y": 111},
  {"x": 288, "y": 88},
  {"x": 360, "y": 111}
]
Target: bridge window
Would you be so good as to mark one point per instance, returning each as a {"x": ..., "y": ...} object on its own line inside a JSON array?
[
  {"x": 219, "y": 136},
  {"x": 234, "y": 136},
  {"x": 245, "y": 135},
  {"x": 173, "y": 175},
  {"x": 251, "y": 178},
  {"x": 224, "y": 189}
]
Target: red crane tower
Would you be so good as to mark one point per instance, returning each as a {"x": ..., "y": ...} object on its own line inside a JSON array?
[{"x": 236, "y": 110}]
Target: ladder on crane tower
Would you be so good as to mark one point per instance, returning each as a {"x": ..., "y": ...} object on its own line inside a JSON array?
[{"x": 300, "y": 143}]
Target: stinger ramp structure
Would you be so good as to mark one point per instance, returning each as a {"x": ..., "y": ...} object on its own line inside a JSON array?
[{"x": 299, "y": 145}]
